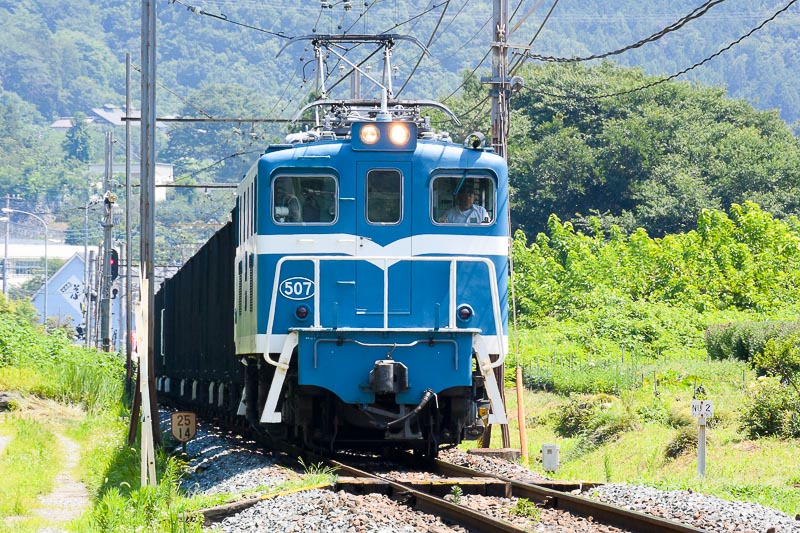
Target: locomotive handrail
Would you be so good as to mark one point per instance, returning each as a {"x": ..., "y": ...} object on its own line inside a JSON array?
[{"x": 453, "y": 260}]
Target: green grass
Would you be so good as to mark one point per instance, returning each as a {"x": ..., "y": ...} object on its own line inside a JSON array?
[
  {"x": 764, "y": 471},
  {"x": 28, "y": 465}
]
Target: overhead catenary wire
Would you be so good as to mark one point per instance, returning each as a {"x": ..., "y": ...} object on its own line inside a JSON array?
[
  {"x": 173, "y": 93},
  {"x": 678, "y": 24},
  {"x": 521, "y": 61},
  {"x": 200, "y": 11},
  {"x": 677, "y": 74},
  {"x": 415, "y": 17},
  {"x": 466, "y": 78},
  {"x": 422, "y": 54}
]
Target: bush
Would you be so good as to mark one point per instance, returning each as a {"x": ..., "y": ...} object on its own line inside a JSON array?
[
  {"x": 576, "y": 417},
  {"x": 744, "y": 340},
  {"x": 684, "y": 440},
  {"x": 770, "y": 410},
  {"x": 680, "y": 416}
]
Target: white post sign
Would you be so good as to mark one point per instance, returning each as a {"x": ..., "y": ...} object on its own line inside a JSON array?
[{"x": 702, "y": 410}]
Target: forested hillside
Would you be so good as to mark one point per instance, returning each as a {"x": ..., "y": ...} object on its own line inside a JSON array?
[{"x": 652, "y": 158}]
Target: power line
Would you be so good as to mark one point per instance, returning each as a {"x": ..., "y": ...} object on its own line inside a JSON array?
[
  {"x": 422, "y": 54},
  {"x": 678, "y": 24},
  {"x": 200, "y": 11},
  {"x": 467, "y": 78},
  {"x": 521, "y": 60},
  {"x": 173, "y": 93},
  {"x": 418, "y": 15},
  {"x": 684, "y": 71}
]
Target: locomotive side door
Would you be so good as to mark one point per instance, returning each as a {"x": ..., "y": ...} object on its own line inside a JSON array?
[{"x": 383, "y": 230}]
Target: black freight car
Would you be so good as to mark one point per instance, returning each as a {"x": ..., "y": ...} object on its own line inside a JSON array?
[{"x": 194, "y": 342}]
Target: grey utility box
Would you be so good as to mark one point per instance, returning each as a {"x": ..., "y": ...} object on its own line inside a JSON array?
[{"x": 550, "y": 457}]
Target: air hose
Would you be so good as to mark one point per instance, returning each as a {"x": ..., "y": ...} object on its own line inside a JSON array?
[{"x": 426, "y": 397}]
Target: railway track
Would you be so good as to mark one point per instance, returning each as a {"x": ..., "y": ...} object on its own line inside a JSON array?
[
  {"x": 424, "y": 487},
  {"x": 427, "y": 496}
]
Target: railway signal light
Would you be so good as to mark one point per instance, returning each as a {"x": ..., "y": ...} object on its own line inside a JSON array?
[{"x": 113, "y": 263}]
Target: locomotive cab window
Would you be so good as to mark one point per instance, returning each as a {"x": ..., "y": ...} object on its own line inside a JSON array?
[
  {"x": 463, "y": 200},
  {"x": 384, "y": 196},
  {"x": 304, "y": 199}
]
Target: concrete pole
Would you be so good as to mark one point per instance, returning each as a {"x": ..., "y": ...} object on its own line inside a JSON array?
[
  {"x": 147, "y": 224},
  {"x": 108, "y": 224},
  {"x": 89, "y": 290},
  {"x": 128, "y": 243},
  {"x": 499, "y": 93}
]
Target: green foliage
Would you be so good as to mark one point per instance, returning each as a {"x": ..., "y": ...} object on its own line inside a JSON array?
[
  {"x": 781, "y": 357},
  {"x": 771, "y": 409},
  {"x": 527, "y": 509},
  {"x": 34, "y": 446},
  {"x": 456, "y": 493},
  {"x": 747, "y": 340},
  {"x": 653, "y": 159},
  {"x": 597, "y": 417},
  {"x": 152, "y": 509},
  {"x": 65, "y": 372},
  {"x": 607, "y": 470},
  {"x": 77, "y": 143},
  {"x": 684, "y": 440},
  {"x": 747, "y": 260},
  {"x": 318, "y": 473}
]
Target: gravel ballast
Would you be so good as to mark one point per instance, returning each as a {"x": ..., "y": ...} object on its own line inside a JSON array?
[{"x": 222, "y": 463}]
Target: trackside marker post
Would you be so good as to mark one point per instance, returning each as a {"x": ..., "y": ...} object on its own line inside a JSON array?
[
  {"x": 184, "y": 427},
  {"x": 702, "y": 410}
]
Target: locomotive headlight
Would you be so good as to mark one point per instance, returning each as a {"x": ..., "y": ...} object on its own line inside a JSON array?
[
  {"x": 464, "y": 312},
  {"x": 370, "y": 134},
  {"x": 399, "y": 134}
]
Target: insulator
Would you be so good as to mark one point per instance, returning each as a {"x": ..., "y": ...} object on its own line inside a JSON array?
[
  {"x": 347, "y": 5},
  {"x": 324, "y": 4}
]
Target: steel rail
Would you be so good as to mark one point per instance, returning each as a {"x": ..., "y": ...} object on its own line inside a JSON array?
[
  {"x": 579, "y": 505},
  {"x": 421, "y": 501}
]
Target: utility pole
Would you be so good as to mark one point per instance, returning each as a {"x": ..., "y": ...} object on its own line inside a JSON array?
[
  {"x": 151, "y": 434},
  {"x": 499, "y": 95},
  {"x": 89, "y": 299},
  {"x": 499, "y": 80},
  {"x": 109, "y": 199},
  {"x": 128, "y": 244}
]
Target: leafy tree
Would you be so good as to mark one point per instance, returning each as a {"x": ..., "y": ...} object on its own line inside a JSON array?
[{"x": 77, "y": 144}]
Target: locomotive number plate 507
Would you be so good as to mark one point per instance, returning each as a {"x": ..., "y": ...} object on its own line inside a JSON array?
[{"x": 297, "y": 288}]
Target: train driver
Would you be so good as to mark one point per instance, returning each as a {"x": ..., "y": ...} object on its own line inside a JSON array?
[{"x": 465, "y": 211}]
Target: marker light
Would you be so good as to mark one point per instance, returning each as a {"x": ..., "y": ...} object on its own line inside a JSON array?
[
  {"x": 370, "y": 134},
  {"x": 301, "y": 312},
  {"x": 398, "y": 134},
  {"x": 464, "y": 312}
]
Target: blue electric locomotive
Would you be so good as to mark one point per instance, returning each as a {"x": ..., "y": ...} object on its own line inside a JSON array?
[{"x": 370, "y": 283}]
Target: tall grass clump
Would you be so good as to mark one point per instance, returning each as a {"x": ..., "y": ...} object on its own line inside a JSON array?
[
  {"x": 63, "y": 372},
  {"x": 157, "y": 509}
]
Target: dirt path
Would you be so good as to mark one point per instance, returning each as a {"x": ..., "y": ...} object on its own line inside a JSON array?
[{"x": 69, "y": 497}]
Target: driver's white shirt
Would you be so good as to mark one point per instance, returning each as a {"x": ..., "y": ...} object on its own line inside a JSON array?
[{"x": 474, "y": 215}]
